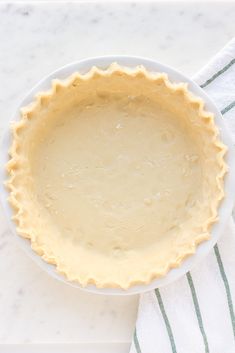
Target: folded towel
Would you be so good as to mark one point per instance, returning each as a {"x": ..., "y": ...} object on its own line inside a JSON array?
[{"x": 195, "y": 314}]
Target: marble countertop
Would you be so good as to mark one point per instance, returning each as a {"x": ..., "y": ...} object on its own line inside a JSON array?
[{"x": 35, "y": 39}]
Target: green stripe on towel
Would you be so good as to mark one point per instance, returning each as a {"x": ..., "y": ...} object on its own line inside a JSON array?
[
  {"x": 197, "y": 311},
  {"x": 226, "y": 285},
  {"x": 136, "y": 342},
  {"x": 228, "y": 108},
  {"x": 218, "y": 73},
  {"x": 166, "y": 320}
]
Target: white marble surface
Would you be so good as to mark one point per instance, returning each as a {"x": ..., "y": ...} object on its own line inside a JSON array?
[{"x": 36, "y": 39}]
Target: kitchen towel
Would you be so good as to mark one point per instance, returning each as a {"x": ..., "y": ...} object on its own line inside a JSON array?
[{"x": 195, "y": 314}]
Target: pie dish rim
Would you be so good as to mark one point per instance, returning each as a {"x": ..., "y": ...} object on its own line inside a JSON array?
[{"x": 126, "y": 61}]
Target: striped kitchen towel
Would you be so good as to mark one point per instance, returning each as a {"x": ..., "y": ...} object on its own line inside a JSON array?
[{"x": 196, "y": 313}]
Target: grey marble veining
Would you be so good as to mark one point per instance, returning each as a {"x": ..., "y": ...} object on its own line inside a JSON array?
[{"x": 35, "y": 39}]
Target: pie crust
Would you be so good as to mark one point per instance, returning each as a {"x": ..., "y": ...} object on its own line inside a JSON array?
[{"x": 115, "y": 175}]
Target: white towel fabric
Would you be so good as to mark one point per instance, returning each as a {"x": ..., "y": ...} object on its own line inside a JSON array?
[{"x": 196, "y": 313}]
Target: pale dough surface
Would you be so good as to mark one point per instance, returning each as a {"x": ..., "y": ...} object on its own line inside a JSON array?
[{"x": 122, "y": 172}]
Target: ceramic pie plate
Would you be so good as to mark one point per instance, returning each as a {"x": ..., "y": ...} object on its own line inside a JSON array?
[{"x": 225, "y": 207}]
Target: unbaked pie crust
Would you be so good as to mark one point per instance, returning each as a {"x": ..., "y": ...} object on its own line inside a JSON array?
[{"x": 116, "y": 175}]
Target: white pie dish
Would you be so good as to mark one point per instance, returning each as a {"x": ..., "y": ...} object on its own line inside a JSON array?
[{"x": 224, "y": 209}]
